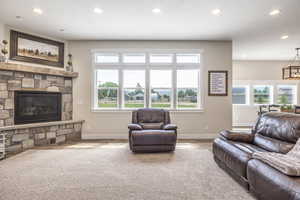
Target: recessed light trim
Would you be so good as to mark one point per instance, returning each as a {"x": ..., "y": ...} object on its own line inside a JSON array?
[
  {"x": 156, "y": 10},
  {"x": 284, "y": 37},
  {"x": 38, "y": 11},
  {"x": 98, "y": 10},
  {"x": 19, "y": 18},
  {"x": 274, "y": 12},
  {"x": 216, "y": 12}
]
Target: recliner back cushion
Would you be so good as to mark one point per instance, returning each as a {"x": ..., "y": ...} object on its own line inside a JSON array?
[
  {"x": 272, "y": 145},
  {"x": 150, "y": 115},
  {"x": 281, "y": 126}
]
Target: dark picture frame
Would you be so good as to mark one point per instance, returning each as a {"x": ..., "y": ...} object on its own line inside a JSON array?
[
  {"x": 217, "y": 83},
  {"x": 43, "y": 57}
]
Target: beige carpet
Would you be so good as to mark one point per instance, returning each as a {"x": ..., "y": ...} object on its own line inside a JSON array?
[{"x": 109, "y": 171}]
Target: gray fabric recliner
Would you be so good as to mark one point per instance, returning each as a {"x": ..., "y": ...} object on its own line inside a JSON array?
[{"x": 151, "y": 131}]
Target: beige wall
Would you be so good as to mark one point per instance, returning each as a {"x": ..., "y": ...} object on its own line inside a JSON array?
[
  {"x": 256, "y": 72},
  {"x": 2, "y": 30},
  {"x": 217, "y": 112}
]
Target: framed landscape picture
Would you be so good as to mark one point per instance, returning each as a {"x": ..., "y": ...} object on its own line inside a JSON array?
[
  {"x": 217, "y": 83},
  {"x": 37, "y": 50}
]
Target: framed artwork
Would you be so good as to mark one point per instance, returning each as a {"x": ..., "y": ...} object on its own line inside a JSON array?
[
  {"x": 37, "y": 50},
  {"x": 217, "y": 83}
]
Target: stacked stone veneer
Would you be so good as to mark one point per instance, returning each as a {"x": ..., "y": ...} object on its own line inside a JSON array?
[
  {"x": 13, "y": 80},
  {"x": 18, "y": 140}
]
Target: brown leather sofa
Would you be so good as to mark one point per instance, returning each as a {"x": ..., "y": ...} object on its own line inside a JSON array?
[
  {"x": 273, "y": 132},
  {"x": 151, "y": 131}
]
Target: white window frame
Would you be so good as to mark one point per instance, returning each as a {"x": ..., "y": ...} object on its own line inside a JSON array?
[
  {"x": 247, "y": 87},
  {"x": 147, "y": 66},
  {"x": 271, "y": 87},
  {"x": 295, "y": 92},
  {"x": 171, "y": 88},
  {"x": 128, "y": 88}
]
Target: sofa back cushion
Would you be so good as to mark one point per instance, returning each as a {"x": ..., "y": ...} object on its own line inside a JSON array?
[
  {"x": 280, "y": 126},
  {"x": 272, "y": 145},
  {"x": 148, "y": 115}
]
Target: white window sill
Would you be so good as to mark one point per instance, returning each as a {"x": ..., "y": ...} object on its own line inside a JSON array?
[{"x": 95, "y": 110}]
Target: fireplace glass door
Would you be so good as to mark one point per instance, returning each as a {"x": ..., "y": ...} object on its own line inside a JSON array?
[{"x": 31, "y": 107}]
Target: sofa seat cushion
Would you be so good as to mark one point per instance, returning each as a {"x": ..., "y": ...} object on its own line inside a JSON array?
[
  {"x": 234, "y": 155},
  {"x": 268, "y": 183},
  {"x": 272, "y": 145},
  {"x": 153, "y": 137}
]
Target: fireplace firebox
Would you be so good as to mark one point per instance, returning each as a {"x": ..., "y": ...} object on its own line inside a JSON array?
[{"x": 33, "y": 107}]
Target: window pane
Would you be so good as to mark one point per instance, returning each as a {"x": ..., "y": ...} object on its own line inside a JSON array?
[
  {"x": 161, "y": 98},
  {"x": 161, "y": 58},
  {"x": 187, "y": 78},
  {"x": 188, "y": 58},
  {"x": 161, "y": 78},
  {"x": 187, "y": 98},
  {"x": 134, "y": 78},
  {"x": 262, "y": 94},
  {"x": 134, "y": 58},
  {"x": 108, "y": 97},
  {"x": 107, "y": 78},
  {"x": 239, "y": 95},
  {"x": 286, "y": 94},
  {"x": 107, "y": 58},
  {"x": 134, "y": 98}
]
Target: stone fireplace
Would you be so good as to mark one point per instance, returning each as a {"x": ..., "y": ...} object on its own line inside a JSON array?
[
  {"x": 36, "y": 107},
  {"x": 32, "y": 107}
]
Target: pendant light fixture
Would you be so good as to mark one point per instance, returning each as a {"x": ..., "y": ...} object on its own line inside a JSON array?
[{"x": 292, "y": 71}]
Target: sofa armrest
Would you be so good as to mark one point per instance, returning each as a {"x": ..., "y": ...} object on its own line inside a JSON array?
[
  {"x": 170, "y": 127},
  {"x": 134, "y": 127},
  {"x": 237, "y": 136}
]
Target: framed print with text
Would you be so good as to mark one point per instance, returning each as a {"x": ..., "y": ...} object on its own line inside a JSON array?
[{"x": 217, "y": 83}]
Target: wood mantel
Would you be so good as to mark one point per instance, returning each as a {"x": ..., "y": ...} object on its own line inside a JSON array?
[{"x": 37, "y": 70}]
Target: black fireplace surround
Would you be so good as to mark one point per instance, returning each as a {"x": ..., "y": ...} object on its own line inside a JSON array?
[{"x": 32, "y": 107}]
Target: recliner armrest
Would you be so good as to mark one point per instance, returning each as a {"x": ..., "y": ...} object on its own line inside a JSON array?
[
  {"x": 170, "y": 127},
  {"x": 237, "y": 136},
  {"x": 135, "y": 127}
]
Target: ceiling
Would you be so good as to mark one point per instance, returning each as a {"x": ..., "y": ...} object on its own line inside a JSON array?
[{"x": 255, "y": 34}]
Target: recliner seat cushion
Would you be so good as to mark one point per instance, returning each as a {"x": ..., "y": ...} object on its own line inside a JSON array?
[
  {"x": 152, "y": 125},
  {"x": 234, "y": 155},
  {"x": 153, "y": 137}
]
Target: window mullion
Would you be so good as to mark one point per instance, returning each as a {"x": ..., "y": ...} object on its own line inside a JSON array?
[
  {"x": 174, "y": 88},
  {"x": 121, "y": 90},
  {"x": 147, "y": 89}
]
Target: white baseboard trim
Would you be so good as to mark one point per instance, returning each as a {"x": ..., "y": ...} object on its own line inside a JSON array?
[{"x": 93, "y": 136}]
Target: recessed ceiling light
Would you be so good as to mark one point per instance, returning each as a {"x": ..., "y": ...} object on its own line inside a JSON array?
[
  {"x": 216, "y": 12},
  {"x": 244, "y": 56},
  {"x": 274, "y": 12},
  {"x": 98, "y": 10},
  {"x": 284, "y": 37},
  {"x": 38, "y": 11},
  {"x": 156, "y": 10},
  {"x": 19, "y": 18}
]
